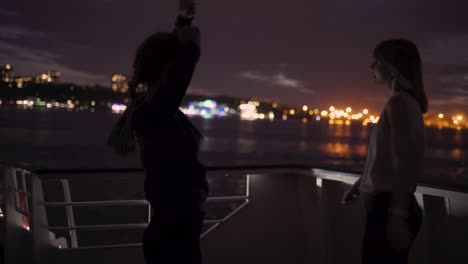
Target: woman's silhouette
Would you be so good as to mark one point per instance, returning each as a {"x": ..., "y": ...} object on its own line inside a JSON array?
[
  {"x": 175, "y": 183},
  {"x": 395, "y": 157}
]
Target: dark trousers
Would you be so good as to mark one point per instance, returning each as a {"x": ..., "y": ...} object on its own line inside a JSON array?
[
  {"x": 173, "y": 239},
  {"x": 376, "y": 247}
]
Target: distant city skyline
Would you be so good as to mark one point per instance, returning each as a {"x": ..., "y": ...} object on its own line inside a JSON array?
[
  {"x": 119, "y": 83},
  {"x": 17, "y": 80},
  {"x": 298, "y": 52}
]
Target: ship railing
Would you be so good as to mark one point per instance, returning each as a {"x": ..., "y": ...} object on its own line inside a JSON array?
[{"x": 24, "y": 209}]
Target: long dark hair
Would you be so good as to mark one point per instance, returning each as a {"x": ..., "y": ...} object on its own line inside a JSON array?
[
  {"x": 151, "y": 56},
  {"x": 402, "y": 57}
]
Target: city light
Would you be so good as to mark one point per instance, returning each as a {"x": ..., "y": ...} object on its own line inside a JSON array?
[
  {"x": 271, "y": 115},
  {"x": 210, "y": 108},
  {"x": 256, "y": 103},
  {"x": 441, "y": 115},
  {"x": 119, "y": 83},
  {"x": 292, "y": 112},
  {"x": 331, "y": 109},
  {"x": 348, "y": 110},
  {"x": 365, "y": 111},
  {"x": 118, "y": 108},
  {"x": 305, "y": 108}
]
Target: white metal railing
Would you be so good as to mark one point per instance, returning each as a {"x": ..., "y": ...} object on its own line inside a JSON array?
[
  {"x": 454, "y": 202},
  {"x": 17, "y": 210},
  {"x": 72, "y": 228}
]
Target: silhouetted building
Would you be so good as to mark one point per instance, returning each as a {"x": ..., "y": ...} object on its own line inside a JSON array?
[
  {"x": 47, "y": 77},
  {"x": 119, "y": 83},
  {"x": 54, "y": 75},
  {"x": 7, "y": 74},
  {"x": 21, "y": 82}
]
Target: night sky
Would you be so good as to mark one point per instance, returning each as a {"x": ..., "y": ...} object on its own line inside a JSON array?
[{"x": 297, "y": 51}]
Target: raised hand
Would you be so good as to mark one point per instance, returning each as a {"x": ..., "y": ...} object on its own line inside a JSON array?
[{"x": 187, "y": 7}]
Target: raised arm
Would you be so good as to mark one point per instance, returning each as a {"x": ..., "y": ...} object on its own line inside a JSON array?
[{"x": 179, "y": 73}]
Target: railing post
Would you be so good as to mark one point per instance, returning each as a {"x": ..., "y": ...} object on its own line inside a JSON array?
[
  {"x": 41, "y": 239},
  {"x": 17, "y": 240},
  {"x": 70, "y": 213}
]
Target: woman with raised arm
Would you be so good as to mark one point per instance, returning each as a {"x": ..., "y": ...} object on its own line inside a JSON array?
[
  {"x": 175, "y": 182},
  {"x": 394, "y": 158}
]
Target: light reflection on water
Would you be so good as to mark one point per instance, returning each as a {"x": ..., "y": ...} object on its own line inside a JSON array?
[
  {"x": 337, "y": 149},
  {"x": 456, "y": 154}
]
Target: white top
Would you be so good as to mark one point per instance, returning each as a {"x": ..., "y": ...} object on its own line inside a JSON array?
[{"x": 396, "y": 148}]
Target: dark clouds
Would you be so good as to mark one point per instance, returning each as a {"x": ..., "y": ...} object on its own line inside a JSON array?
[{"x": 301, "y": 51}]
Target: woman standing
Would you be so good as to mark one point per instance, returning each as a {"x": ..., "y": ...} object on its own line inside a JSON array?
[
  {"x": 175, "y": 183},
  {"x": 395, "y": 157}
]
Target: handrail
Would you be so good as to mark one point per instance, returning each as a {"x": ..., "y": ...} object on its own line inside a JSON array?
[
  {"x": 116, "y": 226},
  {"x": 47, "y": 173},
  {"x": 132, "y": 202},
  {"x": 96, "y": 227},
  {"x": 97, "y": 203},
  {"x": 140, "y": 169},
  {"x": 345, "y": 177},
  {"x": 58, "y": 173}
]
